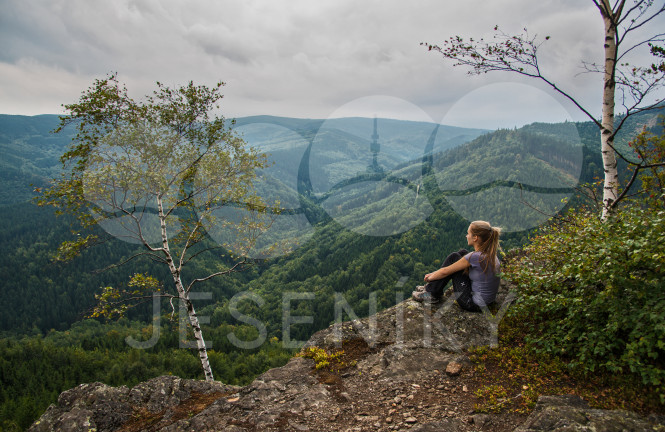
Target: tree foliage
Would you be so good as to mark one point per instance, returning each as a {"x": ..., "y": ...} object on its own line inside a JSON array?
[
  {"x": 648, "y": 169},
  {"x": 592, "y": 291},
  {"x": 35, "y": 370},
  {"x": 160, "y": 173}
]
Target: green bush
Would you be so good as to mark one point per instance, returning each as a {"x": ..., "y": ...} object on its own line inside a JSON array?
[{"x": 593, "y": 292}]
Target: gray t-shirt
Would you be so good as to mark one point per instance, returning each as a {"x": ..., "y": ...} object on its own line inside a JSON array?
[{"x": 484, "y": 286}]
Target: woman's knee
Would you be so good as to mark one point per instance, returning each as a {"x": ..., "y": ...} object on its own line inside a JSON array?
[{"x": 454, "y": 257}]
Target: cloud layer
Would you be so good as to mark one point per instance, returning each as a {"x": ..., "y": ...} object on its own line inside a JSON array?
[{"x": 297, "y": 58}]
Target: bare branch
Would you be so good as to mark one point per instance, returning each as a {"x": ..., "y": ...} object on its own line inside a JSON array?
[
  {"x": 134, "y": 300},
  {"x": 152, "y": 256},
  {"x": 213, "y": 275},
  {"x": 655, "y": 38},
  {"x": 633, "y": 111},
  {"x": 194, "y": 255},
  {"x": 518, "y": 54},
  {"x": 532, "y": 207},
  {"x": 629, "y": 12},
  {"x": 622, "y": 195},
  {"x": 598, "y": 5},
  {"x": 589, "y": 192},
  {"x": 644, "y": 22}
]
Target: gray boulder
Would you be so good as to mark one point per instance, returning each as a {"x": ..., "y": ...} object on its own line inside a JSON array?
[{"x": 573, "y": 414}]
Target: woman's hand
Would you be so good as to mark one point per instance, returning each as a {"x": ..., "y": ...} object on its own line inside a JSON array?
[{"x": 446, "y": 271}]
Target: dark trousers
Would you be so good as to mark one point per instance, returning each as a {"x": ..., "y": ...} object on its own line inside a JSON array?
[{"x": 461, "y": 284}]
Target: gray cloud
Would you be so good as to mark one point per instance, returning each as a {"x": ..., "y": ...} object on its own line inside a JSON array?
[{"x": 297, "y": 58}]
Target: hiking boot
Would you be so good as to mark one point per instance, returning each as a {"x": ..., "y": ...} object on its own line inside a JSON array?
[{"x": 424, "y": 297}]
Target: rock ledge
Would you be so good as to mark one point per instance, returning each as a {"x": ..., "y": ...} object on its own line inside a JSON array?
[{"x": 406, "y": 370}]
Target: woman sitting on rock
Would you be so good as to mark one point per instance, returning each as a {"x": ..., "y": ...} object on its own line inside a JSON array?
[{"x": 474, "y": 274}]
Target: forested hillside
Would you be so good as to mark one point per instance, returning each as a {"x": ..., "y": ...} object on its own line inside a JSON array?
[
  {"x": 45, "y": 302},
  {"x": 30, "y": 155}
]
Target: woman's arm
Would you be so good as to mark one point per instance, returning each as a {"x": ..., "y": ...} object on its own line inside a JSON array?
[{"x": 446, "y": 271}]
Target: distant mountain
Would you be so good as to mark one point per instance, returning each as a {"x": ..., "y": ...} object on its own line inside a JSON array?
[
  {"x": 369, "y": 174},
  {"x": 348, "y": 169},
  {"x": 339, "y": 149},
  {"x": 30, "y": 155},
  {"x": 341, "y": 211},
  {"x": 369, "y": 219},
  {"x": 49, "y": 295},
  {"x": 30, "y": 151}
]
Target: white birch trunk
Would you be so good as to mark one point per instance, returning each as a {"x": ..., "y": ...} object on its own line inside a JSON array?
[
  {"x": 611, "y": 178},
  {"x": 194, "y": 321},
  {"x": 184, "y": 296}
]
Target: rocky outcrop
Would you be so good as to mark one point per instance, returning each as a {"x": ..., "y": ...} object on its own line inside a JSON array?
[
  {"x": 403, "y": 369},
  {"x": 573, "y": 414},
  {"x": 98, "y": 407}
]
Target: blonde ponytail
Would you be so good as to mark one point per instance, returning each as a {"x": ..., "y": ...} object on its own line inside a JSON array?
[{"x": 489, "y": 242}]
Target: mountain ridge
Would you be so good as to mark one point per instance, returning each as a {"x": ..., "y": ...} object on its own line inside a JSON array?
[
  {"x": 31, "y": 151},
  {"x": 43, "y": 296}
]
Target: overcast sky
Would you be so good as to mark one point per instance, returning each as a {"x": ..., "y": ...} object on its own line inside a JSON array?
[{"x": 302, "y": 58}]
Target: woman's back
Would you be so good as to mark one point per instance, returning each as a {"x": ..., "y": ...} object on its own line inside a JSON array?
[{"x": 484, "y": 284}]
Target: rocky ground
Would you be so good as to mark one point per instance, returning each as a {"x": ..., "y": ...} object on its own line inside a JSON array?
[{"x": 405, "y": 368}]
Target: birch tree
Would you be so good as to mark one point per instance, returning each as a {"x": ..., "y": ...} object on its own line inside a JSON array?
[
  {"x": 633, "y": 87},
  {"x": 156, "y": 173}
]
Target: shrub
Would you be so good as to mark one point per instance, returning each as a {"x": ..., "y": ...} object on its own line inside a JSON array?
[
  {"x": 593, "y": 292},
  {"x": 323, "y": 358}
]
